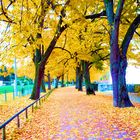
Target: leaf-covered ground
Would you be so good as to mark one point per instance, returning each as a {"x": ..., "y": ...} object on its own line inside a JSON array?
[
  {"x": 11, "y": 107},
  {"x": 7, "y": 109},
  {"x": 72, "y": 115}
]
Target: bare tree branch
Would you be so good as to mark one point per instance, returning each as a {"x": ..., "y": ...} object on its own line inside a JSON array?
[
  {"x": 5, "y": 13},
  {"x": 64, "y": 50},
  {"x": 94, "y": 16},
  {"x": 11, "y": 2},
  {"x": 130, "y": 32}
]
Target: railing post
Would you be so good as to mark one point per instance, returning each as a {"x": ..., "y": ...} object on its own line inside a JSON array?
[
  {"x": 3, "y": 133},
  {"x": 18, "y": 121},
  {"x": 26, "y": 113},
  {"x": 39, "y": 102},
  {"x": 32, "y": 108},
  {"x": 36, "y": 103}
]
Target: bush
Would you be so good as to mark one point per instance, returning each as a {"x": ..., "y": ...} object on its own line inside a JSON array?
[{"x": 137, "y": 88}]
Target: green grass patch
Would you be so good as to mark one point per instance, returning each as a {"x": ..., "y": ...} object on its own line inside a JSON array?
[{"x": 9, "y": 89}]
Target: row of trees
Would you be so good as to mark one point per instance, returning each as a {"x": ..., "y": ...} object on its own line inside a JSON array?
[{"x": 74, "y": 34}]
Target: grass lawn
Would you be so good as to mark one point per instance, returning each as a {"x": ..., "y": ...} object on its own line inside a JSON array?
[
  {"x": 7, "y": 92},
  {"x": 9, "y": 89}
]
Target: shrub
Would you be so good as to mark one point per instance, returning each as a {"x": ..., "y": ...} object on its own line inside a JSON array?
[{"x": 137, "y": 88}]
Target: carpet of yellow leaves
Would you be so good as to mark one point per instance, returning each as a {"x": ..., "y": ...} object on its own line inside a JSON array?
[
  {"x": 11, "y": 107},
  {"x": 72, "y": 115}
]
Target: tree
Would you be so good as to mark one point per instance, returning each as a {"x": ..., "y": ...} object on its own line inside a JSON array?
[
  {"x": 90, "y": 51},
  {"x": 49, "y": 81},
  {"x": 30, "y": 33},
  {"x": 58, "y": 63},
  {"x": 118, "y": 52},
  {"x": 35, "y": 26},
  {"x": 40, "y": 65}
]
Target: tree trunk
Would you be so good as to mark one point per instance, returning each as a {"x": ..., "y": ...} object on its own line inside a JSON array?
[
  {"x": 123, "y": 98},
  {"x": 39, "y": 73},
  {"x": 67, "y": 81},
  {"x": 49, "y": 81},
  {"x": 120, "y": 93},
  {"x": 88, "y": 82},
  {"x": 118, "y": 64},
  {"x": 89, "y": 88},
  {"x": 56, "y": 82},
  {"x": 40, "y": 65},
  {"x": 77, "y": 76},
  {"x": 118, "y": 61},
  {"x": 114, "y": 68},
  {"x": 43, "y": 88},
  {"x": 62, "y": 82},
  {"x": 80, "y": 82},
  {"x": 40, "y": 61}
]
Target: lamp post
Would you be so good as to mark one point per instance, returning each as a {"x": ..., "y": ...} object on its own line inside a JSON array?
[{"x": 15, "y": 81}]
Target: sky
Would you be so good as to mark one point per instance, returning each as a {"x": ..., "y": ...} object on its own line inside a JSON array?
[{"x": 133, "y": 75}]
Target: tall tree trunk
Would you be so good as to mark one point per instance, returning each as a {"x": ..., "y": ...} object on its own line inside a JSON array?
[
  {"x": 118, "y": 61},
  {"x": 120, "y": 93},
  {"x": 62, "y": 82},
  {"x": 123, "y": 98},
  {"x": 56, "y": 81},
  {"x": 80, "y": 81},
  {"x": 43, "y": 88},
  {"x": 67, "y": 80},
  {"x": 89, "y": 88},
  {"x": 114, "y": 68},
  {"x": 40, "y": 65},
  {"x": 77, "y": 77},
  {"x": 114, "y": 63},
  {"x": 39, "y": 73},
  {"x": 49, "y": 81}
]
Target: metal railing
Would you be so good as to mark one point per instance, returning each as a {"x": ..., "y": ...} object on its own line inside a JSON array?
[{"x": 38, "y": 101}]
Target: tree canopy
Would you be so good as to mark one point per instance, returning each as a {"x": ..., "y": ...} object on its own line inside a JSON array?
[{"x": 56, "y": 35}]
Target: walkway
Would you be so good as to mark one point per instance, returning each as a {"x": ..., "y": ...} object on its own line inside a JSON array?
[{"x": 72, "y": 115}]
